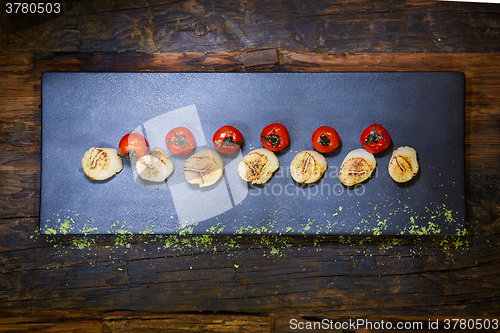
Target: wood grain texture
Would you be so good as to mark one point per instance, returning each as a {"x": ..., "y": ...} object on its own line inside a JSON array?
[
  {"x": 20, "y": 192},
  {"x": 220, "y": 26},
  {"x": 132, "y": 322},
  {"x": 18, "y": 103},
  {"x": 128, "y": 322}
]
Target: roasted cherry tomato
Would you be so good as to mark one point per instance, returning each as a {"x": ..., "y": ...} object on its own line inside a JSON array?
[
  {"x": 133, "y": 145},
  {"x": 325, "y": 139},
  {"x": 275, "y": 137},
  {"x": 227, "y": 140},
  {"x": 375, "y": 138},
  {"x": 180, "y": 141}
]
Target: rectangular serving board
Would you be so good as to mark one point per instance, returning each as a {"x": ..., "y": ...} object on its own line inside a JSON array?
[{"x": 424, "y": 110}]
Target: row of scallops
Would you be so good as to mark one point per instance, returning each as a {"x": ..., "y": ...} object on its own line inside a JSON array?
[
  {"x": 206, "y": 167},
  {"x": 308, "y": 166}
]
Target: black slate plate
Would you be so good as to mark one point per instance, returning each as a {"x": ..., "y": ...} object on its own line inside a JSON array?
[{"x": 424, "y": 110}]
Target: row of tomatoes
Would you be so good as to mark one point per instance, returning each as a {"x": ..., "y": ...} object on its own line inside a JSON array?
[{"x": 274, "y": 137}]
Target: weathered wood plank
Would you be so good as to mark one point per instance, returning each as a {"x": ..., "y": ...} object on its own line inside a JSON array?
[
  {"x": 332, "y": 280},
  {"x": 16, "y": 263},
  {"x": 19, "y": 193},
  {"x": 73, "y": 321},
  {"x": 54, "y": 321},
  {"x": 122, "y": 321},
  {"x": 19, "y": 103},
  {"x": 118, "y": 322},
  {"x": 214, "y": 26}
]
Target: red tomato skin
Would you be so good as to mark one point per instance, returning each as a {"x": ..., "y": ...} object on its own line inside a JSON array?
[
  {"x": 325, "y": 139},
  {"x": 375, "y": 138},
  {"x": 133, "y": 142},
  {"x": 180, "y": 141},
  {"x": 227, "y": 140},
  {"x": 275, "y": 137}
]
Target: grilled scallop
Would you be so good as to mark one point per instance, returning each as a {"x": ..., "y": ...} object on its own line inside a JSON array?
[
  {"x": 258, "y": 166},
  {"x": 155, "y": 166},
  {"x": 204, "y": 168},
  {"x": 403, "y": 164},
  {"x": 357, "y": 167},
  {"x": 308, "y": 166},
  {"x": 101, "y": 163}
]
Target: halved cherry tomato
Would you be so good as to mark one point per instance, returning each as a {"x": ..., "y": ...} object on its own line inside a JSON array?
[
  {"x": 325, "y": 139},
  {"x": 275, "y": 137},
  {"x": 133, "y": 145},
  {"x": 227, "y": 140},
  {"x": 375, "y": 138},
  {"x": 180, "y": 141}
]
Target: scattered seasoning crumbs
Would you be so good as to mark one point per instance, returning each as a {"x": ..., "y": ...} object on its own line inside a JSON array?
[{"x": 272, "y": 245}]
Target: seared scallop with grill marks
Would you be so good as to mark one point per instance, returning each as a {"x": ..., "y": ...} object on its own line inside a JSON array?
[
  {"x": 204, "y": 168},
  {"x": 155, "y": 166},
  {"x": 258, "y": 166},
  {"x": 308, "y": 166},
  {"x": 403, "y": 165},
  {"x": 358, "y": 166},
  {"x": 101, "y": 163}
]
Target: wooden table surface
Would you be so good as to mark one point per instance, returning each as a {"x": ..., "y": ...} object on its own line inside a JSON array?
[{"x": 247, "y": 283}]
